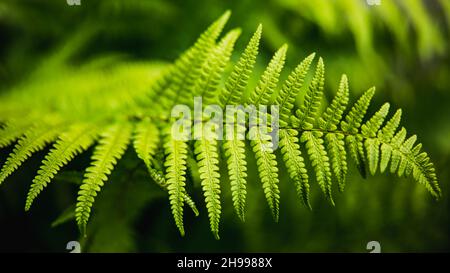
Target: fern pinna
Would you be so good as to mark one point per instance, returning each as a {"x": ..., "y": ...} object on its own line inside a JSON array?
[{"x": 309, "y": 137}]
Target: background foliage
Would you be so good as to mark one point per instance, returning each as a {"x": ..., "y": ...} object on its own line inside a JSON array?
[{"x": 399, "y": 46}]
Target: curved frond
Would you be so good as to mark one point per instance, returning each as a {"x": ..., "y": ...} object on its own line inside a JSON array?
[
  {"x": 208, "y": 160},
  {"x": 188, "y": 66},
  {"x": 159, "y": 178},
  {"x": 291, "y": 87},
  {"x": 237, "y": 172},
  {"x": 386, "y": 134},
  {"x": 32, "y": 141},
  {"x": 238, "y": 79},
  {"x": 294, "y": 162},
  {"x": 72, "y": 142},
  {"x": 320, "y": 161},
  {"x": 351, "y": 125},
  {"x": 354, "y": 118},
  {"x": 333, "y": 114},
  {"x": 132, "y": 105},
  {"x": 269, "y": 79},
  {"x": 146, "y": 140},
  {"x": 112, "y": 145},
  {"x": 267, "y": 168},
  {"x": 335, "y": 145},
  {"x": 305, "y": 116},
  {"x": 176, "y": 151},
  {"x": 208, "y": 81},
  {"x": 369, "y": 130}
]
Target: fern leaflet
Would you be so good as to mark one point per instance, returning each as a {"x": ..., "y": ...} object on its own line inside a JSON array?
[
  {"x": 113, "y": 143},
  {"x": 76, "y": 140}
]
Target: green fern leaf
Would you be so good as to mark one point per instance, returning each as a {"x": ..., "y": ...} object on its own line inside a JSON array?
[
  {"x": 351, "y": 124},
  {"x": 176, "y": 151},
  {"x": 291, "y": 87},
  {"x": 112, "y": 145},
  {"x": 76, "y": 140},
  {"x": 188, "y": 66},
  {"x": 335, "y": 145},
  {"x": 159, "y": 178},
  {"x": 405, "y": 149},
  {"x": 305, "y": 116},
  {"x": 208, "y": 81},
  {"x": 425, "y": 173},
  {"x": 261, "y": 143},
  {"x": 235, "y": 148},
  {"x": 386, "y": 134},
  {"x": 237, "y": 172},
  {"x": 207, "y": 158},
  {"x": 238, "y": 79},
  {"x": 32, "y": 141},
  {"x": 146, "y": 140},
  {"x": 333, "y": 114},
  {"x": 320, "y": 161},
  {"x": 269, "y": 79},
  {"x": 371, "y": 127},
  {"x": 267, "y": 168},
  {"x": 396, "y": 141},
  {"x": 293, "y": 159},
  {"x": 354, "y": 118},
  {"x": 370, "y": 130}
]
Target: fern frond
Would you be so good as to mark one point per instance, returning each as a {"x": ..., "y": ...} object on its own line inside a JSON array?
[
  {"x": 293, "y": 159},
  {"x": 369, "y": 130},
  {"x": 291, "y": 87},
  {"x": 237, "y": 172},
  {"x": 262, "y": 143},
  {"x": 208, "y": 160},
  {"x": 386, "y": 134},
  {"x": 146, "y": 140},
  {"x": 71, "y": 143},
  {"x": 238, "y": 79},
  {"x": 407, "y": 159},
  {"x": 334, "y": 141},
  {"x": 397, "y": 141},
  {"x": 371, "y": 127},
  {"x": 335, "y": 145},
  {"x": 351, "y": 124},
  {"x": 208, "y": 81},
  {"x": 188, "y": 66},
  {"x": 354, "y": 118},
  {"x": 305, "y": 116},
  {"x": 333, "y": 114},
  {"x": 176, "y": 151},
  {"x": 269, "y": 79},
  {"x": 235, "y": 148},
  {"x": 112, "y": 145},
  {"x": 329, "y": 137},
  {"x": 32, "y": 141},
  {"x": 405, "y": 149},
  {"x": 320, "y": 161},
  {"x": 267, "y": 168},
  {"x": 159, "y": 178}
]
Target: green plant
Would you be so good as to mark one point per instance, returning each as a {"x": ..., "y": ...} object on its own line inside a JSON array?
[{"x": 114, "y": 108}]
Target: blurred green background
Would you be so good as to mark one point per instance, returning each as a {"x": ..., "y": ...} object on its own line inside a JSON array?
[{"x": 401, "y": 47}]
